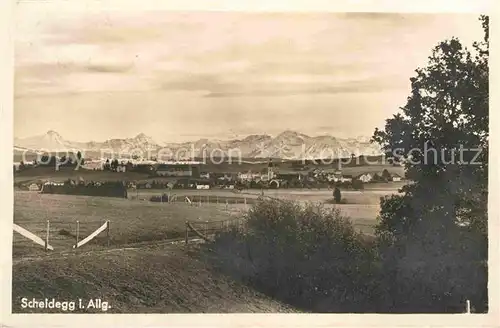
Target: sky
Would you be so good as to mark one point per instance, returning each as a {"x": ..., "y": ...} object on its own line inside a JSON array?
[{"x": 179, "y": 76}]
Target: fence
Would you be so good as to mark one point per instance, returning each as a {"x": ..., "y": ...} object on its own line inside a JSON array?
[
  {"x": 199, "y": 199},
  {"x": 37, "y": 240},
  {"x": 104, "y": 227},
  {"x": 207, "y": 229},
  {"x": 58, "y": 232}
]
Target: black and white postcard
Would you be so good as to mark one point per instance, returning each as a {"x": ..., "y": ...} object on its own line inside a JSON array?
[{"x": 224, "y": 161}]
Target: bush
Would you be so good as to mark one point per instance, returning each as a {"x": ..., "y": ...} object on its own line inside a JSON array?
[
  {"x": 64, "y": 232},
  {"x": 308, "y": 256},
  {"x": 312, "y": 258}
]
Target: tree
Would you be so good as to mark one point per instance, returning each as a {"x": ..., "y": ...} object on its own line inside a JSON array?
[
  {"x": 337, "y": 196},
  {"x": 47, "y": 160},
  {"x": 445, "y": 115},
  {"x": 129, "y": 166},
  {"x": 107, "y": 165},
  {"x": 79, "y": 157},
  {"x": 386, "y": 176},
  {"x": 114, "y": 164}
]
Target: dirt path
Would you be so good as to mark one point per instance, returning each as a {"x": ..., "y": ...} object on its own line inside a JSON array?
[{"x": 82, "y": 252}]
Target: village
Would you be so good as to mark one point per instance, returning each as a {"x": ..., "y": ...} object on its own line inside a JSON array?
[{"x": 197, "y": 175}]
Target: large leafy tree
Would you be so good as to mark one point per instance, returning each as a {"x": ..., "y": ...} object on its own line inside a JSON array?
[{"x": 436, "y": 229}]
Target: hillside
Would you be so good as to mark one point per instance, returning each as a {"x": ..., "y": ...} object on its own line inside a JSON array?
[{"x": 157, "y": 279}]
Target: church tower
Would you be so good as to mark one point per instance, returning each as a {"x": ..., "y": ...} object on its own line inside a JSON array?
[{"x": 270, "y": 169}]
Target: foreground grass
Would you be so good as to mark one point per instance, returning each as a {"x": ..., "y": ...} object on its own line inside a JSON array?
[{"x": 153, "y": 280}]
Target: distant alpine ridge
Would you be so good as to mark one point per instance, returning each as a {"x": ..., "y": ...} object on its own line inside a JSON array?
[{"x": 286, "y": 145}]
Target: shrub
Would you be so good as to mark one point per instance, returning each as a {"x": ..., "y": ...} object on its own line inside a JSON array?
[
  {"x": 64, "y": 232},
  {"x": 309, "y": 256}
]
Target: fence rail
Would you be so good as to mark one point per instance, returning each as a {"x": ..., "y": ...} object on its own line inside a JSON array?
[
  {"x": 104, "y": 227},
  {"x": 208, "y": 229}
]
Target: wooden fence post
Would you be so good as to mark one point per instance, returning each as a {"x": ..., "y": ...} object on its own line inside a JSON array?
[
  {"x": 47, "y": 236},
  {"x": 187, "y": 233},
  {"x": 107, "y": 233},
  {"x": 77, "y": 233}
]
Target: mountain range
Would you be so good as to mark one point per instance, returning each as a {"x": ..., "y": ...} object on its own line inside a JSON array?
[{"x": 286, "y": 145}]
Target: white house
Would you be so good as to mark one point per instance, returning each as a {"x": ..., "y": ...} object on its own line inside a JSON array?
[
  {"x": 33, "y": 187},
  {"x": 93, "y": 165},
  {"x": 121, "y": 168},
  {"x": 268, "y": 175},
  {"x": 317, "y": 172},
  {"x": 202, "y": 186},
  {"x": 395, "y": 177},
  {"x": 54, "y": 183},
  {"x": 335, "y": 175},
  {"x": 249, "y": 176},
  {"x": 365, "y": 177},
  {"x": 346, "y": 178}
]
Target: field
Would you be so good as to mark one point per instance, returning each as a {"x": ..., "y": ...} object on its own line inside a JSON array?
[
  {"x": 134, "y": 221},
  {"x": 138, "y": 220},
  {"x": 140, "y": 271},
  {"x": 361, "y": 206},
  {"x": 131, "y": 221}
]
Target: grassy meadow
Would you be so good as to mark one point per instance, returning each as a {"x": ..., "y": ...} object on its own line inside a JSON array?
[
  {"x": 131, "y": 221},
  {"x": 155, "y": 279},
  {"x": 134, "y": 221},
  {"x": 139, "y": 273}
]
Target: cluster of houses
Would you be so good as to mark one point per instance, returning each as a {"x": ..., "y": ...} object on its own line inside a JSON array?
[
  {"x": 195, "y": 170},
  {"x": 193, "y": 175},
  {"x": 271, "y": 174}
]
